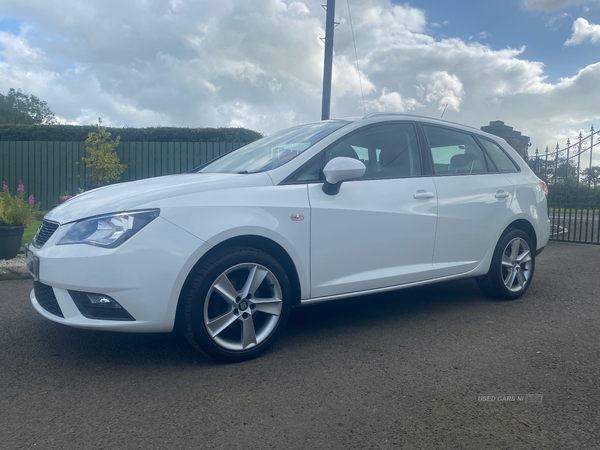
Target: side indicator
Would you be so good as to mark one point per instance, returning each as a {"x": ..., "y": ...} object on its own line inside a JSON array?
[{"x": 297, "y": 217}]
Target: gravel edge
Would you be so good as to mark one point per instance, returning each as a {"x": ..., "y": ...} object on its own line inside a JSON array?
[{"x": 14, "y": 269}]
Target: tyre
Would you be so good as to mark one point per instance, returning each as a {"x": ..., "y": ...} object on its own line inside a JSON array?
[
  {"x": 512, "y": 267},
  {"x": 237, "y": 304}
]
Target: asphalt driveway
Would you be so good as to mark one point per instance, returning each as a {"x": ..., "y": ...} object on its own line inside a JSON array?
[{"x": 426, "y": 368}]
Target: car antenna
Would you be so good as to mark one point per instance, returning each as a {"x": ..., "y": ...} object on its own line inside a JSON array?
[{"x": 443, "y": 112}]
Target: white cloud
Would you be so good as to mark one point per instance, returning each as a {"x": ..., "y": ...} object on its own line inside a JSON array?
[
  {"x": 583, "y": 31},
  {"x": 259, "y": 64},
  {"x": 392, "y": 102},
  {"x": 444, "y": 90},
  {"x": 549, "y": 5},
  {"x": 559, "y": 17}
]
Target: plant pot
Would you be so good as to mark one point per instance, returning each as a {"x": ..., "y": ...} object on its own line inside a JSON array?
[{"x": 10, "y": 241}]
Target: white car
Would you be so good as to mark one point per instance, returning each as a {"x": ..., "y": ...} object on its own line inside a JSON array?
[{"x": 317, "y": 212}]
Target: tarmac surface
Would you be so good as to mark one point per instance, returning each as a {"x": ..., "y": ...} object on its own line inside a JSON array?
[{"x": 426, "y": 368}]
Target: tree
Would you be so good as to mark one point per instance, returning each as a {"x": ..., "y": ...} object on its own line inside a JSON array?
[
  {"x": 9, "y": 115},
  {"x": 567, "y": 171},
  {"x": 103, "y": 163},
  {"x": 592, "y": 174},
  {"x": 20, "y": 107}
]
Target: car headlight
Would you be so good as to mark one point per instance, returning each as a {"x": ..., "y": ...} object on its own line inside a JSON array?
[{"x": 110, "y": 230}]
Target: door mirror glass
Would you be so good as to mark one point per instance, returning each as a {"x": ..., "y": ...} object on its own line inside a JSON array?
[{"x": 339, "y": 170}]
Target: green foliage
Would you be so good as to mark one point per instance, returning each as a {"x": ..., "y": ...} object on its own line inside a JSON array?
[
  {"x": 567, "y": 195},
  {"x": 592, "y": 175},
  {"x": 16, "y": 210},
  {"x": 103, "y": 164},
  {"x": 77, "y": 133},
  {"x": 29, "y": 233},
  {"x": 8, "y": 115},
  {"x": 20, "y": 107}
]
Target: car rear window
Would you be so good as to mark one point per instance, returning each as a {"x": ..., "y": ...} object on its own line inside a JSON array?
[
  {"x": 454, "y": 152},
  {"x": 500, "y": 159}
]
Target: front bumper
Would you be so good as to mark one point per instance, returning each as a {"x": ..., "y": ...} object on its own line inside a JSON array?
[{"x": 145, "y": 276}]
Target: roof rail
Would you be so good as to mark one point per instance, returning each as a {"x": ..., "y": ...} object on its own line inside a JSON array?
[
  {"x": 376, "y": 114},
  {"x": 417, "y": 116}
]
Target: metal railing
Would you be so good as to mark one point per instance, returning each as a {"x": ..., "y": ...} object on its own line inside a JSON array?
[{"x": 573, "y": 179}]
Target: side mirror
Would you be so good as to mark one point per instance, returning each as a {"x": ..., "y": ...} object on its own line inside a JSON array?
[{"x": 339, "y": 170}]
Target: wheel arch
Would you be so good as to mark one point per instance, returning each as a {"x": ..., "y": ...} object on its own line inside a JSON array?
[
  {"x": 525, "y": 226},
  {"x": 258, "y": 242}
]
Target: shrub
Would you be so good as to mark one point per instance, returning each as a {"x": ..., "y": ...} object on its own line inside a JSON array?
[
  {"x": 16, "y": 210},
  {"x": 103, "y": 163}
]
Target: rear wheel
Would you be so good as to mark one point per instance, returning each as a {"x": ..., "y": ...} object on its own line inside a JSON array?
[
  {"x": 512, "y": 267},
  {"x": 237, "y": 304}
]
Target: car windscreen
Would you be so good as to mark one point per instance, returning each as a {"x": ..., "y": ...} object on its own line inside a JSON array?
[{"x": 273, "y": 151}]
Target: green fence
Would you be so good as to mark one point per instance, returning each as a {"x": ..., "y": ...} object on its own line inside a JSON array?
[{"x": 50, "y": 169}]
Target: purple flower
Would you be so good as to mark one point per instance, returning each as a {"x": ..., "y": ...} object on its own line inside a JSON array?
[
  {"x": 31, "y": 200},
  {"x": 4, "y": 187},
  {"x": 21, "y": 187}
]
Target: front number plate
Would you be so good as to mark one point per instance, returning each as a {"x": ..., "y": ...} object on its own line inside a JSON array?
[{"x": 33, "y": 264}]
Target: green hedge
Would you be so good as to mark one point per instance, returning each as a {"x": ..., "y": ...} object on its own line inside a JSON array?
[{"x": 9, "y": 132}]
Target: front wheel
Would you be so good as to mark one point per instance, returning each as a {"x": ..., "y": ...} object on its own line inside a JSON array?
[
  {"x": 512, "y": 267},
  {"x": 237, "y": 304}
]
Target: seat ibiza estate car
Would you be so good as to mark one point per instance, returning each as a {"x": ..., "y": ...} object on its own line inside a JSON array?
[{"x": 317, "y": 212}]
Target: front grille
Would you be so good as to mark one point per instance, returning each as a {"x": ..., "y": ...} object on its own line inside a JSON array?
[
  {"x": 45, "y": 297},
  {"x": 44, "y": 233}
]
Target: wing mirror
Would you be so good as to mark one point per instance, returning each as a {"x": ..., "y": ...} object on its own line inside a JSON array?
[{"x": 339, "y": 170}]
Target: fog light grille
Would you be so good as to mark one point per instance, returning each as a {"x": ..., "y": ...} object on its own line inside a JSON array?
[
  {"x": 45, "y": 297},
  {"x": 101, "y": 307}
]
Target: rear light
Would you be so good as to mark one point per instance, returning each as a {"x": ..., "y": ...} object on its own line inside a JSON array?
[{"x": 544, "y": 188}]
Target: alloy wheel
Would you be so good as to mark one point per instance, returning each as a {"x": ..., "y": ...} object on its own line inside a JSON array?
[
  {"x": 243, "y": 306},
  {"x": 516, "y": 265}
]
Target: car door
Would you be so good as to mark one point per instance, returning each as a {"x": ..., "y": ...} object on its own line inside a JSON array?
[
  {"x": 473, "y": 200},
  {"x": 377, "y": 231}
]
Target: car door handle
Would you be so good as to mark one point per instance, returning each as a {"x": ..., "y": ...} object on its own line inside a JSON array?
[
  {"x": 500, "y": 195},
  {"x": 422, "y": 193}
]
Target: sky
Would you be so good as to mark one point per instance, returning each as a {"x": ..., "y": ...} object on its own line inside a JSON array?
[{"x": 535, "y": 64}]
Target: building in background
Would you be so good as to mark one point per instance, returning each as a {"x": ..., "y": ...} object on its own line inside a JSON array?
[{"x": 514, "y": 138}]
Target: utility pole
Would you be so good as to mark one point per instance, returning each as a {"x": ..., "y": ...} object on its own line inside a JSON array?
[{"x": 327, "y": 69}]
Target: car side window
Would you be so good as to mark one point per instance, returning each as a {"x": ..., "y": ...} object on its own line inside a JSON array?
[
  {"x": 500, "y": 159},
  {"x": 311, "y": 172},
  {"x": 454, "y": 152},
  {"x": 388, "y": 151}
]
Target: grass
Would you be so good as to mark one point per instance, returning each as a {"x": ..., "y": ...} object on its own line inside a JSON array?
[
  {"x": 574, "y": 210},
  {"x": 30, "y": 231}
]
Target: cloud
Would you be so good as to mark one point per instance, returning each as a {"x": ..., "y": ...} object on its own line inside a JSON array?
[
  {"x": 583, "y": 31},
  {"x": 390, "y": 101},
  {"x": 549, "y": 5},
  {"x": 557, "y": 18},
  {"x": 444, "y": 90},
  {"x": 259, "y": 64}
]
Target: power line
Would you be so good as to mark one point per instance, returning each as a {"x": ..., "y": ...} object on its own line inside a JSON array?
[{"x": 356, "y": 56}]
